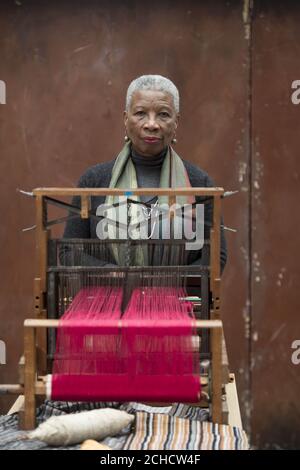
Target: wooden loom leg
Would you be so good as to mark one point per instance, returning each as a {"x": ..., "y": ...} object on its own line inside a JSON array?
[
  {"x": 41, "y": 334},
  {"x": 216, "y": 349},
  {"x": 28, "y": 421},
  {"x": 40, "y": 282}
]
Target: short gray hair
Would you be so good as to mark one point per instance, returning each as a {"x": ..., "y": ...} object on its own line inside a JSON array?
[{"x": 153, "y": 82}]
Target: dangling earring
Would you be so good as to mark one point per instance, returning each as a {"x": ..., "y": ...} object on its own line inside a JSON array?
[
  {"x": 174, "y": 141},
  {"x": 126, "y": 138}
]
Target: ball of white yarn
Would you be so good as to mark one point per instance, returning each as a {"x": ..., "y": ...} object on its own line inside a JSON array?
[{"x": 75, "y": 428}]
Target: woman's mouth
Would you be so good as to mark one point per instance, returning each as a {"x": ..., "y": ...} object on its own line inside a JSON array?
[{"x": 151, "y": 140}]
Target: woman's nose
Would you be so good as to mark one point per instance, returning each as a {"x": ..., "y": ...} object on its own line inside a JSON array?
[{"x": 151, "y": 122}]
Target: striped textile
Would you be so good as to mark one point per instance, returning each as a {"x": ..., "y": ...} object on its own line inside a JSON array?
[
  {"x": 180, "y": 410},
  {"x": 56, "y": 408},
  {"x": 164, "y": 432},
  {"x": 179, "y": 426}
]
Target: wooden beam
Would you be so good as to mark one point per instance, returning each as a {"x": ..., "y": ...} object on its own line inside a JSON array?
[
  {"x": 29, "y": 378},
  {"x": 216, "y": 374},
  {"x": 84, "y": 207},
  {"x": 21, "y": 370},
  {"x": 40, "y": 282},
  {"x": 234, "y": 414},
  {"x": 120, "y": 192},
  {"x": 225, "y": 362}
]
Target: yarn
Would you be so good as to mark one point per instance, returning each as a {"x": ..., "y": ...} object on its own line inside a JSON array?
[{"x": 76, "y": 428}]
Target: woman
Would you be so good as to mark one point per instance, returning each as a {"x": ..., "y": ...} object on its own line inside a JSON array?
[{"x": 147, "y": 159}]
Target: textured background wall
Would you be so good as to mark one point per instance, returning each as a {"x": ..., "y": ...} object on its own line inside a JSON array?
[{"x": 67, "y": 66}]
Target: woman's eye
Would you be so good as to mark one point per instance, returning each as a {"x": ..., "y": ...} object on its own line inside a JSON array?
[
  {"x": 164, "y": 114},
  {"x": 139, "y": 113}
]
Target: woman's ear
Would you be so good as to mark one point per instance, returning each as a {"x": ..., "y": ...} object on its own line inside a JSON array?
[
  {"x": 177, "y": 120},
  {"x": 125, "y": 116}
]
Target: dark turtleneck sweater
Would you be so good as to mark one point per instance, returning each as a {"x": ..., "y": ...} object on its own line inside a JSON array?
[{"x": 148, "y": 170}]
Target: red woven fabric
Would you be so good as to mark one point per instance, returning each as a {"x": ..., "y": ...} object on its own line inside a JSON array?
[{"x": 148, "y": 354}]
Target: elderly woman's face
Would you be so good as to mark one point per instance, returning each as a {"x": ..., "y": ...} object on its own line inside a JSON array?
[{"x": 151, "y": 121}]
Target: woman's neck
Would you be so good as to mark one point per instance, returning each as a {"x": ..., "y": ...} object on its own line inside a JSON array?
[{"x": 155, "y": 160}]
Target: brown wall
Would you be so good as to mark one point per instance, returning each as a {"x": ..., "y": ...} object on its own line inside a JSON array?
[
  {"x": 275, "y": 381},
  {"x": 67, "y": 66}
]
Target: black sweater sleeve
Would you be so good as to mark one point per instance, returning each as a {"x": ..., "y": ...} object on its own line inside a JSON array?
[
  {"x": 76, "y": 227},
  {"x": 97, "y": 176}
]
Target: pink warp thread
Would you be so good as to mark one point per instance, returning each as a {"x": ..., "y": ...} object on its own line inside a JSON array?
[{"x": 147, "y": 354}]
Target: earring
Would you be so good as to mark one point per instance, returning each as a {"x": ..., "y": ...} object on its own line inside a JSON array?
[
  {"x": 174, "y": 141},
  {"x": 126, "y": 138}
]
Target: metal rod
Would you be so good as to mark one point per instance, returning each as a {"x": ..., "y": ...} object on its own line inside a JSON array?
[
  {"x": 33, "y": 227},
  {"x": 26, "y": 193},
  {"x": 230, "y": 193}
]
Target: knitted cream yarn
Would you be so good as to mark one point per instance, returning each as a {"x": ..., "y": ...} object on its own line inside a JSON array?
[{"x": 77, "y": 427}]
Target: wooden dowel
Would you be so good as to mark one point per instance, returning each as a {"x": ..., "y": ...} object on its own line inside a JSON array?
[
  {"x": 16, "y": 389},
  {"x": 13, "y": 389},
  {"x": 84, "y": 207},
  {"x": 49, "y": 323}
]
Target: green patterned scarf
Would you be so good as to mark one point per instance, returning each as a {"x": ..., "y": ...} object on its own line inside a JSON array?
[{"x": 173, "y": 175}]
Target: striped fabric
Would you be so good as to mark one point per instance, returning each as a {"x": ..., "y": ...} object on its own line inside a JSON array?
[
  {"x": 179, "y": 426},
  {"x": 180, "y": 410},
  {"x": 164, "y": 432}
]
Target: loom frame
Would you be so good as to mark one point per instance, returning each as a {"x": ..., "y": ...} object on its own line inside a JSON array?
[{"x": 33, "y": 366}]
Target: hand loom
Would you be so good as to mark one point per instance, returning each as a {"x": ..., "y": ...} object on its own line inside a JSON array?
[{"x": 123, "y": 332}]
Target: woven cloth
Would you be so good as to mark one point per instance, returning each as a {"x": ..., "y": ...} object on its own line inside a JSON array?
[
  {"x": 150, "y": 423},
  {"x": 156, "y": 431}
]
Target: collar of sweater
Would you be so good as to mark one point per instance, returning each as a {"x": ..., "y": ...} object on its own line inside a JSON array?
[{"x": 154, "y": 161}]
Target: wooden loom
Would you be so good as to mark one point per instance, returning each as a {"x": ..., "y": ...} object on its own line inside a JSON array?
[{"x": 218, "y": 387}]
